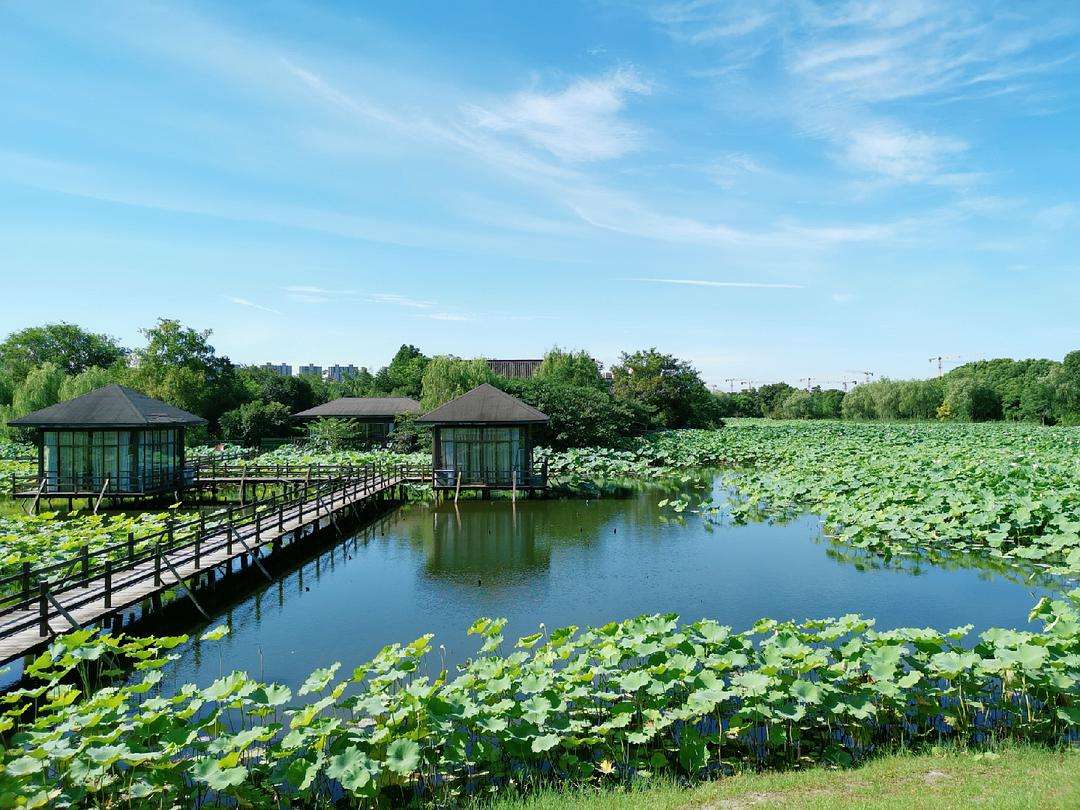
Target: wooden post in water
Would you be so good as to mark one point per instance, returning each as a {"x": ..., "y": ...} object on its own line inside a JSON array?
[{"x": 43, "y": 608}]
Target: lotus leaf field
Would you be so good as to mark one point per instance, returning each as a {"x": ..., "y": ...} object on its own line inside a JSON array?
[
  {"x": 1009, "y": 492},
  {"x": 17, "y": 459},
  {"x": 50, "y": 537},
  {"x": 617, "y": 702}
]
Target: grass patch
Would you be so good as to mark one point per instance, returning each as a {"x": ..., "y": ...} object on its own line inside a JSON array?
[{"x": 1014, "y": 777}]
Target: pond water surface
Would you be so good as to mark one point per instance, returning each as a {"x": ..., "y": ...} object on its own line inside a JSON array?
[{"x": 436, "y": 568}]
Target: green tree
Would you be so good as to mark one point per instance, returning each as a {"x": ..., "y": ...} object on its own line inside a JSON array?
[
  {"x": 360, "y": 384},
  {"x": 88, "y": 380},
  {"x": 860, "y": 403},
  {"x": 179, "y": 366},
  {"x": 40, "y": 389},
  {"x": 254, "y": 421},
  {"x": 797, "y": 405},
  {"x": 334, "y": 434},
  {"x": 1066, "y": 383},
  {"x": 571, "y": 368},
  {"x": 827, "y": 403},
  {"x": 919, "y": 399},
  {"x": 264, "y": 385},
  {"x": 968, "y": 400},
  {"x": 447, "y": 377},
  {"x": 886, "y": 398},
  {"x": 671, "y": 390},
  {"x": 71, "y": 348},
  {"x": 1037, "y": 402},
  {"x": 580, "y": 415},
  {"x": 404, "y": 376},
  {"x": 7, "y": 387},
  {"x": 772, "y": 396}
]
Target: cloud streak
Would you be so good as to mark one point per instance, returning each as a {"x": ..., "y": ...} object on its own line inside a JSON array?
[
  {"x": 697, "y": 282},
  {"x": 579, "y": 123},
  {"x": 243, "y": 302}
]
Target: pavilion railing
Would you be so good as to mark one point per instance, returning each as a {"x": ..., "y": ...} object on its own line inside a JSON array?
[
  {"x": 103, "y": 570},
  {"x": 94, "y": 484},
  {"x": 535, "y": 476}
]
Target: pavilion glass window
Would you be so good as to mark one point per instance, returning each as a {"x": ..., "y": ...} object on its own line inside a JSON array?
[
  {"x": 485, "y": 454},
  {"x": 75, "y": 460}
]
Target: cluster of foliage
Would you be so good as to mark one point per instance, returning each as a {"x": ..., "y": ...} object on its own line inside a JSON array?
[
  {"x": 379, "y": 458},
  {"x": 41, "y": 366},
  {"x": 17, "y": 458},
  {"x": 648, "y": 390},
  {"x": 609, "y": 704},
  {"x": 1009, "y": 492},
  {"x": 1042, "y": 391},
  {"x": 49, "y": 537}
]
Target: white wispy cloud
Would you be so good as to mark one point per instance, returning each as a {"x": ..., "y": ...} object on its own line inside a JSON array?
[
  {"x": 834, "y": 69},
  {"x": 446, "y": 316},
  {"x": 315, "y": 295},
  {"x": 399, "y": 300},
  {"x": 243, "y": 302},
  {"x": 899, "y": 153},
  {"x": 697, "y": 282},
  {"x": 317, "y": 291},
  {"x": 578, "y": 123}
]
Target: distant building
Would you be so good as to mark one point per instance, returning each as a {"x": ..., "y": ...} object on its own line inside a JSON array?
[
  {"x": 341, "y": 373},
  {"x": 284, "y": 369},
  {"x": 515, "y": 369},
  {"x": 312, "y": 370}
]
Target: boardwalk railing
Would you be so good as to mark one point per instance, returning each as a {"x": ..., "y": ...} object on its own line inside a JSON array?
[
  {"x": 193, "y": 475},
  {"x": 93, "y": 575}
]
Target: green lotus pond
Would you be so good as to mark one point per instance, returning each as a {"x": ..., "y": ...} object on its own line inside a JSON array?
[{"x": 428, "y": 568}]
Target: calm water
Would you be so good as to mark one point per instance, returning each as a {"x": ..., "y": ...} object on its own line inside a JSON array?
[{"x": 428, "y": 568}]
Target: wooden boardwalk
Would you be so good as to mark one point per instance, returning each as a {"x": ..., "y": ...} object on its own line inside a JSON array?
[{"x": 107, "y": 586}]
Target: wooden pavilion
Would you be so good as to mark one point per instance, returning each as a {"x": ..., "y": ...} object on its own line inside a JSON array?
[
  {"x": 375, "y": 415},
  {"x": 484, "y": 440},
  {"x": 111, "y": 441}
]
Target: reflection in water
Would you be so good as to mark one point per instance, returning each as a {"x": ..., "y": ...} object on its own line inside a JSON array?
[{"x": 436, "y": 568}]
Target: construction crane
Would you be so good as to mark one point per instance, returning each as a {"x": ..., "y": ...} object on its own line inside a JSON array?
[
  {"x": 806, "y": 380},
  {"x": 866, "y": 374},
  {"x": 731, "y": 381},
  {"x": 940, "y": 360}
]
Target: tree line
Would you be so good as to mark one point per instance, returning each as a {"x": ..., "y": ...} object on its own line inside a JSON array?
[
  {"x": 647, "y": 390},
  {"x": 1044, "y": 391}
]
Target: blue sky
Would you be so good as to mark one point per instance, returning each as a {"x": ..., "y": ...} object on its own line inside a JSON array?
[{"x": 771, "y": 190}]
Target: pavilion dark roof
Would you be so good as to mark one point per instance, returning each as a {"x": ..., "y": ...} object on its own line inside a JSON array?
[
  {"x": 485, "y": 404},
  {"x": 113, "y": 406},
  {"x": 361, "y": 408}
]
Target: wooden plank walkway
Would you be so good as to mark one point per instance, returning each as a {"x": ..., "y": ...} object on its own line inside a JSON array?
[{"x": 26, "y": 626}]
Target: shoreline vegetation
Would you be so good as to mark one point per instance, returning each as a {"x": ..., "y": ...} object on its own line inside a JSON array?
[{"x": 610, "y": 705}]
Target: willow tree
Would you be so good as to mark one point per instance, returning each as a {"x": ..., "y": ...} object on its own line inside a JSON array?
[{"x": 447, "y": 377}]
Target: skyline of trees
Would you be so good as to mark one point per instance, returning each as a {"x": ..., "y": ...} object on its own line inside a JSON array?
[{"x": 646, "y": 389}]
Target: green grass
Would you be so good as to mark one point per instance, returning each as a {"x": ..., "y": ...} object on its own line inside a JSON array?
[{"x": 1015, "y": 777}]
